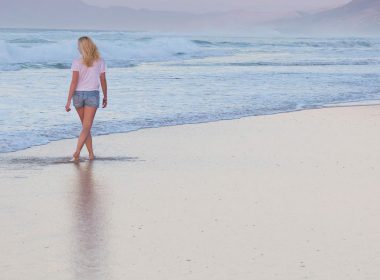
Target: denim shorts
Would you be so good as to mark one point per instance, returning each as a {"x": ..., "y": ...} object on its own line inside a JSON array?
[{"x": 86, "y": 98}]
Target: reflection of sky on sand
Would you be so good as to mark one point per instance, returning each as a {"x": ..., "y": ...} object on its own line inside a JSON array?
[{"x": 89, "y": 247}]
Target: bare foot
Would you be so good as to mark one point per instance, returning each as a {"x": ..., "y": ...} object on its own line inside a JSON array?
[
  {"x": 91, "y": 157},
  {"x": 75, "y": 157}
]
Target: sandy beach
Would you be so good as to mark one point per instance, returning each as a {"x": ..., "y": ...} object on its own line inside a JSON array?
[{"x": 286, "y": 196}]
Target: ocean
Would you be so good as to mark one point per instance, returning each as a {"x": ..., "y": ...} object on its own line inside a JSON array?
[{"x": 159, "y": 79}]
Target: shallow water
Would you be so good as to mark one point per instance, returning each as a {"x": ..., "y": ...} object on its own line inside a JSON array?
[{"x": 159, "y": 79}]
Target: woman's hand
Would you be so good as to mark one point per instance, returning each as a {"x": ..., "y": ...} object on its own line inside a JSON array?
[
  {"x": 104, "y": 102},
  {"x": 67, "y": 107}
]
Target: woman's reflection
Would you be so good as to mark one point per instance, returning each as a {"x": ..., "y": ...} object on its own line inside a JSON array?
[{"x": 90, "y": 260}]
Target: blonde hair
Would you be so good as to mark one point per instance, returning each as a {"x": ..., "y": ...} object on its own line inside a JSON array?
[{"x": 88, "y": 50}]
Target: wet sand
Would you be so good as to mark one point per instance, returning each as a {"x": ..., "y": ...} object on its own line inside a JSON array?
[{"x": 287, "y": 196}]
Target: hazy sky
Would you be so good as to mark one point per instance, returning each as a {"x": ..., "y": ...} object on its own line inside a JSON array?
[{"x": 223, "y": 5}]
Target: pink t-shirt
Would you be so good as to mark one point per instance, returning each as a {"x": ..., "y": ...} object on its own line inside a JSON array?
[{"x": 89, "y": 77}]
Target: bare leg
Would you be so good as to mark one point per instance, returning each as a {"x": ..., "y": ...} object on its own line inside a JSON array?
[
  {"x": 85, "y": 135},
  {"x": 88, "y": 142}
]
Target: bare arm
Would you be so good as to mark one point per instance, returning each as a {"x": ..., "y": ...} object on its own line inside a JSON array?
[
  {"x": 73, "y": 86},
  {"x": 103, "y": 82}
]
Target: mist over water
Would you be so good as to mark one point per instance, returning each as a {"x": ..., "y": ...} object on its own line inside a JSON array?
[{"x": 159, "y": 79}]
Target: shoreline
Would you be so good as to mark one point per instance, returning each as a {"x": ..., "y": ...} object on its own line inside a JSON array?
[
  {"x": 286, "y": 196},
  {"x": 364, "y": 103}
]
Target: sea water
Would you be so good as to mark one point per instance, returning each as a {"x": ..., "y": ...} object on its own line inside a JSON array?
[{"x": 161, "y": 79}]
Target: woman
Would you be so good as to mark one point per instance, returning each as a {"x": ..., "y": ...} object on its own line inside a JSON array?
[{"x": 88, "y": 73}]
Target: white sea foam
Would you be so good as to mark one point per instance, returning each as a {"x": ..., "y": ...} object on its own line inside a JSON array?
[{"x": 30, "y": 52}]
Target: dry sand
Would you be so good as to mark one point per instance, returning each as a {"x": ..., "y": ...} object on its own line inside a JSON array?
[{"x": 287, "y": 196}]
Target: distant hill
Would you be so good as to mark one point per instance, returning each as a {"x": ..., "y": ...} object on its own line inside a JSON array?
[
  {"x": 359, "y": 17},
  {"x": 77, "y": 15},
  {"x": 74, "y": 14}
]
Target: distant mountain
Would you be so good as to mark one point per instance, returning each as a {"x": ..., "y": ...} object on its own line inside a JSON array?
[
  {"x": 74, "y": 14},
  {"x": 77, "y": 15},
  {"x": 359, "y": 17}
]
